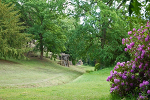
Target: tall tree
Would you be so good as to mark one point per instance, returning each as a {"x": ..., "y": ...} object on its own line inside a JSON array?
[
  {"x": 12, "y": 40},
  {"x": 43, "y": 18},
  {"x": 100, "y": 35}
]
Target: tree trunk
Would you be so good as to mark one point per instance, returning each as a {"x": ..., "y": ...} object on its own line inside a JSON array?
[
  {"x": 103, "y": 35},
  {"x": 41, "y": 45}
]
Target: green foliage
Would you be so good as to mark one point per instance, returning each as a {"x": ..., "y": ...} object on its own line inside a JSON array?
[
  {"x": 12, "y": 41},
  {"x": 44, "y": 21},
  {"x": 99, "y": 37},
  {"x": 135, "y": 6},
  {"x": 97, "y": 67}
]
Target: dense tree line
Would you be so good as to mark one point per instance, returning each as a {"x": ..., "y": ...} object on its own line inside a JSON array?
[
  {"x": 105, "y": 23},
  {"x": 59, "y": 29}
]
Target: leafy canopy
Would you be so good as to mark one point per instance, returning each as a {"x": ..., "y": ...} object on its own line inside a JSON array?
[
  {"x": 12, "y": 40},
  {"x": 99, "y": 37},
  {"x": 44, "y": 21}
]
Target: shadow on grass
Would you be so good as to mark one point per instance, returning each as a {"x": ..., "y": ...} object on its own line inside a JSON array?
[{"x": 8, "y": 62}]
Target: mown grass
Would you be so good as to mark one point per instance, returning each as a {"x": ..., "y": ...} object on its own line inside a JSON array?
[
  {"x": 35, "y": 73},
  {"x": 27, "y": 79}
]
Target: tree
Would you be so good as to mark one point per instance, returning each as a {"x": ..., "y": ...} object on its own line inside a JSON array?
[
  {"x": 69, "y": 24},
  {"x": 135, "y": 6},
  {"x": 100, "y": 35},
  {"x": 43, "y": 18},
  {"x": 12, "y": 39}
]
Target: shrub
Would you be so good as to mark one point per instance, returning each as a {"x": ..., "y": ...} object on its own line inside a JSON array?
[
  {"x": 86, "y": 64},
  {"x": 133, "y": 77},
  {"x": 97, "y": 67}
]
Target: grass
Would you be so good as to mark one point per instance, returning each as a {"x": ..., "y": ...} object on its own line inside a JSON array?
[
  {"x": 38, "y": 80},
  {"x": 35, "y": 73}
]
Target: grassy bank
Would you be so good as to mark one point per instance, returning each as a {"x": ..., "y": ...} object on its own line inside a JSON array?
[
  {"x": 35, "y": 79},
  {"x": 35, "y": 73}
]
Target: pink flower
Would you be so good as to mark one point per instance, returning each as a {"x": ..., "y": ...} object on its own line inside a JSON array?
[
  {"x": 116, "y": 87},
  {"x": 111, "y": 72},
  {"x": 120, "y": 74},
  {"x": 115, "y": 72},
  {"x": 132, "y": 44},
  {"x": 136, "y": 54},
  {"x": 125, "y": 49},
  {"x": 147, "y": 25},
  {"x": 141, "y": 85},
  {"x": 116, "y": 67},
  {"x": 132, "y": 71},
  {"x": 131, "y": 84},
  {"x": 109, "y": 77},
  {"x": 134, "y": 29},
  {"x": 133, "y": 66},
  {"x": 130, "y": 32},
  {"x": 143, "y": 53},
  {"x": 130, "y": 37},
  {"x": 122, "y": 64},
  {"x": 118, "y": 63},
  {"x": 132, "y": 76},
  {"x": 128, "y": 46},
  {"x": 148, "y": 91},
  {"x": 147, "y": 38},
  {"x": 146, "y": 83},
  {"x": 142, "y": 97},
  {"x": 144, "y": 30},
  {"x": 124, "y": 77},
  {"x": 127, "y": 40},
  {"x": 140, "y": 66},
  {"x": 139, "y": 30},
  {"x": 135, "y": 59},
  {"x": 123, "y": 41},
  {"x": 139, "y": 37},
  {"x": 113, "y": 85},
  {"x": 146, "y": 64},
  {"x": 128, "y": 61},
  {"x": 125, "y": 72},
  {"x": 122, "y": 83},
  {"x": 116, "y": 80},
  {"x": 135, "y": 34},
  {"x": 112, "y": 89}
]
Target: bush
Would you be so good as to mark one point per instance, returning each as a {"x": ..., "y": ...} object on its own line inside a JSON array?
[
  {"x": 133, "y": 77},
  {"x": 97, "y": 67}
]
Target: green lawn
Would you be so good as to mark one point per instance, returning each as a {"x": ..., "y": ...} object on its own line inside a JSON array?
[{"x": 39, "y": 80}]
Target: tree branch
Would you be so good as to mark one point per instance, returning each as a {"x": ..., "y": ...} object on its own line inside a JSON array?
[
  {"x": 108, "y": 2},
  {"x": 120, "y": 5},
  {"x": 116, "y": 10}
]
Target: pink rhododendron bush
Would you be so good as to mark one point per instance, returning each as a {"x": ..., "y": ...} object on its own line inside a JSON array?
[{"x": 133, "y": 77}]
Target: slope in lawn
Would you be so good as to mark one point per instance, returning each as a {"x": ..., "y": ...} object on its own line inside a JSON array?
[
  {"x": 35, "y": 73},
  {"x": 90, "y": 86},
  {"x": 46, "y": 75}
]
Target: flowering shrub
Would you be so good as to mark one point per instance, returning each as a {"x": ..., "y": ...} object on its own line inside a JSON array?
[{"x": 134, "y": 76}]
